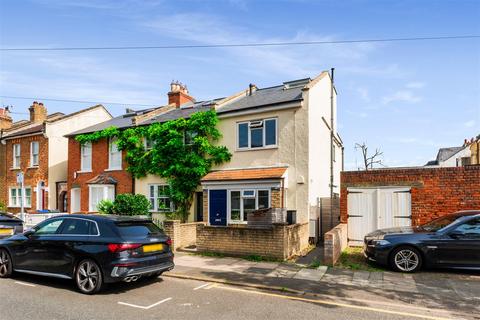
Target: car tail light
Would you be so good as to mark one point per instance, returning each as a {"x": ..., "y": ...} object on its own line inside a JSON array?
[
  {"x": 169, "y": 242},
  {"x": 118, "y": 247}
]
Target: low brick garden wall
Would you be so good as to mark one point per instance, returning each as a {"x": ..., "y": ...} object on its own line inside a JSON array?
[
  {"x": 335, "y": 241},
  {"x": 278, "y": 241},
  {"x": 182, "y": 234}
]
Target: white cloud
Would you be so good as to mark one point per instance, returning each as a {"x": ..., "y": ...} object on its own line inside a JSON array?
[
  {"x": 415, "y": 85},
  {"x": 470, "y": 124},
  {"x": 364, "y": 94},
  {"x": 401, "y": 96}
]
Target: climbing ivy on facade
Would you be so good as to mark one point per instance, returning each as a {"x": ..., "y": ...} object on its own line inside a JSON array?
[{"x": 182, "y": 151}]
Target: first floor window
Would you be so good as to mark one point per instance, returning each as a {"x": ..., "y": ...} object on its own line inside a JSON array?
[
  {"x": 16, "y": 156},
  {"x": 114, "y": 155},
  {"x": 243, "y": 202},
  {"x": 86, "y": 157},
  {"x": 15, "y": 197},
  {"x": 34, "y": 150},
  {"x": 159, "y": 198},
  {"x": 257, "y": 134},
  {"x": 99, "y": 193}
]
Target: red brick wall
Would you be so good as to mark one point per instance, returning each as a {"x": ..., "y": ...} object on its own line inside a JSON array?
[
  {"x": 3, "y": 174},
  {"x": 32, "y": 175},
  {"x": 435, "y": 191},
  {"x": 99, "y": 165}
]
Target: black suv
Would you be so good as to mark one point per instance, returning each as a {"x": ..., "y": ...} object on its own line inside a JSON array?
[{"x": 91, "y": 249}]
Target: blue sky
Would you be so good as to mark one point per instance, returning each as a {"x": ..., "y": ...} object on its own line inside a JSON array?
[{"x": 406, "y": 98}]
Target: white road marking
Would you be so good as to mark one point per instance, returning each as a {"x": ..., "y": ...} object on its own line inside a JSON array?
[
  {"x": 25, "y": 284},
  {"x": 202, "y": 286},
  {"x": 212, "y": 286},
  {"x": 331, "y": 303},
  {"x": 142, "y": 307}
]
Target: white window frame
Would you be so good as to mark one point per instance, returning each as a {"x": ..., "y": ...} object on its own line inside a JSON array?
[
  {"x": 242, "y": 197},
  {"x": 86, "y": 166},
  {"x": 18, "y": 198},
  {"x": 111, "y": 141},
  {"x": 16, "y": 157},
  {"x": 105, "y": 187},
  {"x": 156, "y": 197},
  {"x": 249, "y": 143},
  {"x": 32, "y": 162},
  {"x": 145, "y": 143}
]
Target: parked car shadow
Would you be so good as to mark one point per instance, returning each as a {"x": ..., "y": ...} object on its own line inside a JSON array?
[{"x": 66, "y": 284}]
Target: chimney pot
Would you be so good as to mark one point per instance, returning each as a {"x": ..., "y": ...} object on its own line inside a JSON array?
[
  {"x": 178, "y": 94},
  {"x": 5, "y": 119},
  {"x": 38, "y": 112}
]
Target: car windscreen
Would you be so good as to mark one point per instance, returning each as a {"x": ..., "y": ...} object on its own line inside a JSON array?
[
  {"x": 138, "y": 229},
  {"x": 440, "y": 223}
]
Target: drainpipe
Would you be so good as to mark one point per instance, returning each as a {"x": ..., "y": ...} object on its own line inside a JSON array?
[{"x": 331, "y": 145}]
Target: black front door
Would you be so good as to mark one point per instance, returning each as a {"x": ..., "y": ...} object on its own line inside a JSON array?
[{"x": 218, "y": 207}]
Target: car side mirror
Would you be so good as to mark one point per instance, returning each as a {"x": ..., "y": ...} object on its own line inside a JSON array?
[
  {"x": 456, "y": 234},
  {"x": 29, "y": 233}
]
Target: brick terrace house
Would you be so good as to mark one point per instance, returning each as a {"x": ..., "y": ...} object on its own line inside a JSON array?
[
  {"x": 37, "y": 148},
  {"x": 282, "y": 142}
]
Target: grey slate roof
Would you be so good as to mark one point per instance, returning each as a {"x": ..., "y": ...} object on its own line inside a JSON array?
[
  {"x": 265, "y": 97},
  {"x": 444, "y": 154},
  {"x": 290, "y": 91}
]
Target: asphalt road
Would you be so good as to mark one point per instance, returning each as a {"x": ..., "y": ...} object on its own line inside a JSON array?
[{"x": 31, "y": 297}]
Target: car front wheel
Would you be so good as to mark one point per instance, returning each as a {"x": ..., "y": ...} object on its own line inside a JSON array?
[
  {"x": 5, "y": 264},
  {"x": 406, "y": 259},
  {"x": 88, "y": 277}
]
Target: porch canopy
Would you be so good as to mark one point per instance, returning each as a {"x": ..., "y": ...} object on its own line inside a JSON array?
[{"x": 246, "y": 174}]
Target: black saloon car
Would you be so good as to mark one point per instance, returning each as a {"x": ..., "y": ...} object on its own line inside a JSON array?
[
  {"x": 452, "y": 241},
  {"x": 9, "y": 225},
  {"x": 90, "y": 249}
]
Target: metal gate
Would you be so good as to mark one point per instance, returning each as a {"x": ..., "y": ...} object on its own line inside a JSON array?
[{"x": 377, "y": 208}]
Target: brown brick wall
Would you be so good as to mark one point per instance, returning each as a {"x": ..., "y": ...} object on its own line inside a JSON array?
[
  {"x": 335, "y": 241},
  {"x": 182, "y": 234},
  {"x": 435, "y": 191},
  {"x": 99, "y": 165},
  {"x": 205, "y": 206},
  {"x": 32, "y": 175},
  {"x": 276, "y": 201},
  {"x": 279, "y": 241}
]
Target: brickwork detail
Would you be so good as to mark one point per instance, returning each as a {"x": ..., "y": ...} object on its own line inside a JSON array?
[
  {"x": 77, "y": 179},
  {"x": 182, "y": 234},
  {"x": 335, "y": 241},
  {"x": 278, "y": 241},
  {"x": 435, "y": 191}
]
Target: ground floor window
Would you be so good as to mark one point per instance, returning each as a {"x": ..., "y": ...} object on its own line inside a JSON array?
[
  {"x": 243, "y": 201},
  {"x": 15, "y": 197},
  {"x": 159, "y": 198},
  {"x": 98, "y": 193}
]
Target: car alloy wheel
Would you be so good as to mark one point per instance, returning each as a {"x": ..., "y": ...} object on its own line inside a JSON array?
[
  {"x": 406, "y": 260},
  {"x": 88, "y": 277},
  {"x": 5, "y": 264}
]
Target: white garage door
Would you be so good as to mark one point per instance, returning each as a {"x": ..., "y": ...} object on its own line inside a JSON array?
[{"x": 377, "y": 208}]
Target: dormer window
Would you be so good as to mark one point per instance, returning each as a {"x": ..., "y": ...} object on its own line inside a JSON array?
[{"x": 257, "y": 134}]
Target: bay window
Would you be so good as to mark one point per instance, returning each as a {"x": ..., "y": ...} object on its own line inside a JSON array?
[
  {"x": 159, "y": 198},
  {"x": 257, "y": 134},
  {"x": 242, "y": 202},
  {"x": 98, "y": 193}
]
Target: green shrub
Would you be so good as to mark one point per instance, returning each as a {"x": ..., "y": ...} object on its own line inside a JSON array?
[
  {"x": 105, "y": 207},
  {"x": 3, "y": 207},
  {"x": 131, "y": 205}
]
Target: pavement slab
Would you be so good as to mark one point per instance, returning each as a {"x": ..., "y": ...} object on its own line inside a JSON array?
[{"x": 309, "y": 274}]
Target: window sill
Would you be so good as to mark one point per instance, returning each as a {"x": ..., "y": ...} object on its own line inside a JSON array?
[
  {"x": 113, "y": 169},
  {"x": 32, "y": 167},
  {"x": 84, "y": 171},
  {"x": 18, "y": 207},
  {"x": 255, "y": 149},
  {"x": 13, "y": 169}
]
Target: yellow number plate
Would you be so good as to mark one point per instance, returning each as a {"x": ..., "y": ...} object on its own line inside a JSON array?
[
  {"x": 153, "y": 247},
  {"x": 6, "y": 231}
]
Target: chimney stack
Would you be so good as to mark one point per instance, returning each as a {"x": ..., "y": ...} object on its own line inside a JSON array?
[
  {"x": 38, "y": 112},
  {"x": 5, "y": 119},
  {"x": 178, "y": 94}
]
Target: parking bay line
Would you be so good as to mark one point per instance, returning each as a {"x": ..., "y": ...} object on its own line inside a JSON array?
[
  {"x": 202, "y": 286},
  {"x": 331, "y": 303},
  {"x": 25, "y": 284},
  {"x": 143, "y": 307}
]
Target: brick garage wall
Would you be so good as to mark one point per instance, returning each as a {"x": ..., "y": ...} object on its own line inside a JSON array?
[
  {"x": 99, "y": 165},
  {"x": 31, "y": 175},
  {"x": 435, "y": 191},
  {"x": 182, "y": 234},
  {"x": 335, "y": 241},
  {"x": 278, "y": 241}
]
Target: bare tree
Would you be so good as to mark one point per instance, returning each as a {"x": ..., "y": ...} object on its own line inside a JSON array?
[{"x": 369, "y": 160}]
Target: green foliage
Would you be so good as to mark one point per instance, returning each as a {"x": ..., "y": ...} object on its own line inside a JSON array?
[
  {"x": 182, "y": 165},
  {"x": 3, "y": 207},
  {"x": 128, "y": 204},
  {"x": 105, "y": 207}
]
